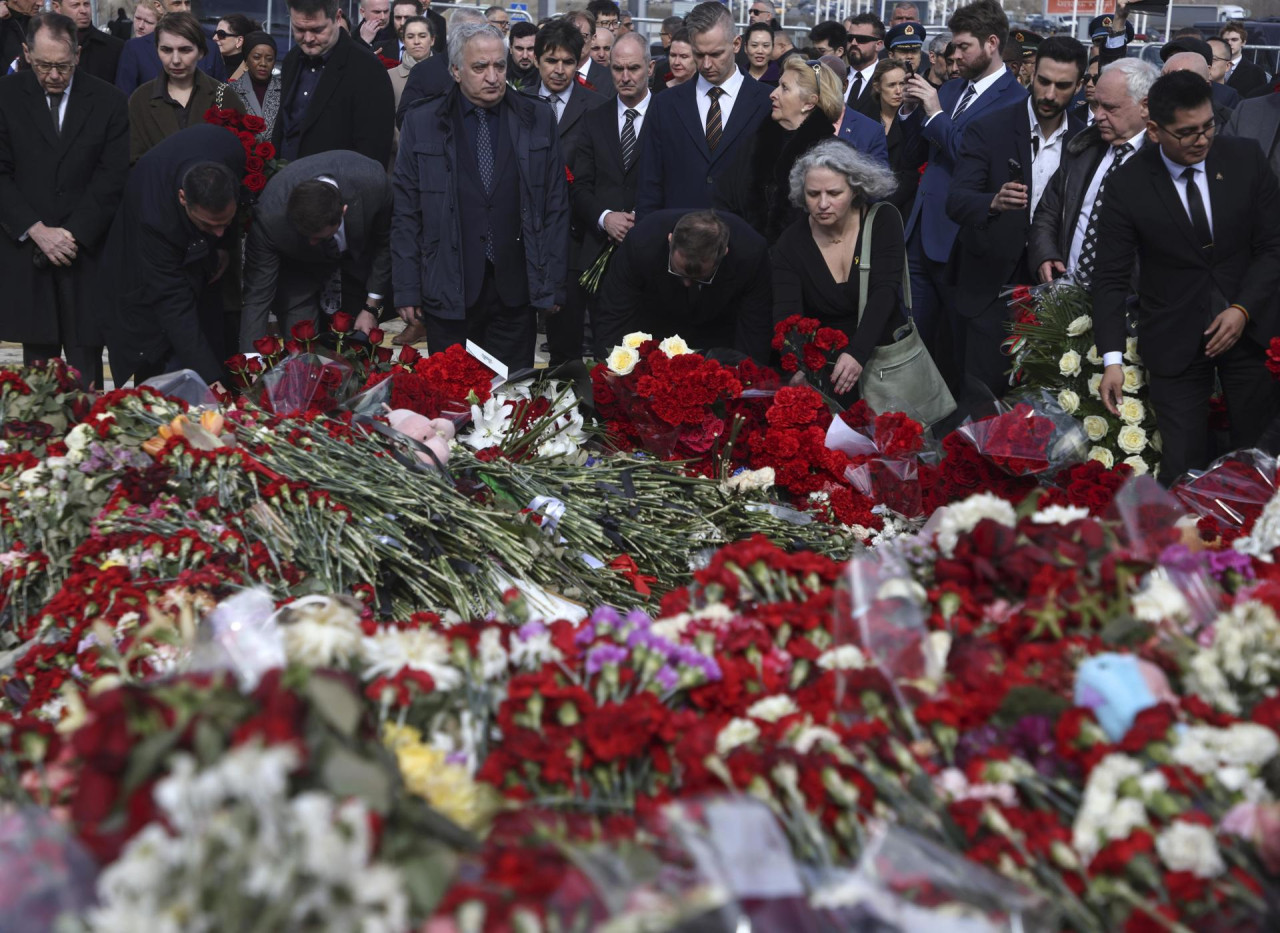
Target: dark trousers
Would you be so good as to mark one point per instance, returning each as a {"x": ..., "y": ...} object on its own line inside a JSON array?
[
  {"x": 929, "y": 307},
  {"x": 1181, "y": 406},
  {"x": 982, "y": 362},
  {"x": 566, "y": 329},
  {"x": 509, "y": 333},
  {"x": 87, "y": 361}
]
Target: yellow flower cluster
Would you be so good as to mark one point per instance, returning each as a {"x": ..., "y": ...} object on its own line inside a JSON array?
[{"x": 427, "y": 774}]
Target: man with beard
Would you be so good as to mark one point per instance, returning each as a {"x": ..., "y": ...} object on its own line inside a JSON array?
[
  {"x": 522, "y": 63},
  {"x": 942, "y": 117},
  {"x": 866, "y": 42},
  {"x": 1005, "y": 165}
]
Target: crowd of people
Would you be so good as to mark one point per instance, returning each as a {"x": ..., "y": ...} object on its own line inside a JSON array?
[{"x": 465, "y": 175}]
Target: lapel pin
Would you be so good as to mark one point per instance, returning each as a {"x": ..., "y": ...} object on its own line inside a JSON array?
[{"x": 1217, "y": 177}]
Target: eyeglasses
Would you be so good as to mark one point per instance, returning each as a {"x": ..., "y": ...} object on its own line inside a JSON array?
[
  {"x": 1217, "y": 58},
  {"x": 221, "y": 34},
  {"x": 863, "y": 40},
  {"x": 671, "y": 268},
  {"x": 768, "y": 13},
  {"x": 1186, "y": 137},
  {"x": 45, "y": 68}
]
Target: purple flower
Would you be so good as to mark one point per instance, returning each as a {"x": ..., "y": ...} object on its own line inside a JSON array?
[
  {"x": 606, "y": 617},
  {"x": 1222, "y": 563},
  {"x": 531, "y": 630},
  {"x": 586, "y": 635},
  {"x": 601, "y": 655},
  {"x": 639, "y": 618},
  {"x": 667, "y": 677}
]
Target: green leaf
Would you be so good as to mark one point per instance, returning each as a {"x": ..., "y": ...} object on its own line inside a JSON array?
[
  {"x": 335, "y": 702},
  {"x": 1125, "y": 630},
  {"x": 209, "y": 743},
  {"x": 1030, "y": 701},
  {"x": 346, "y": 774},
  {"x": 146, "y": 759},
  {"x": 427, "y": 877}
]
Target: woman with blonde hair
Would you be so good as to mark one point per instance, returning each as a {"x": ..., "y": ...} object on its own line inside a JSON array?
[{"x": 806, "y": 104}]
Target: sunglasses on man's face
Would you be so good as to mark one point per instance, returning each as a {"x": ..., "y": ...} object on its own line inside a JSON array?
[{"x": 863, "y": 40}]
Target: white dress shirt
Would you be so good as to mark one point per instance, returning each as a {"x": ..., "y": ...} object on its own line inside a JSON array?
[
  {"x": 1180, "y": 185},
  {"x": 1091, "y": 195},
  {"x": 1047, "y": 157},
  {"x": 546, "y": 92},
  {"x": 340, "y": 238},
  {"x": 867, "y": 74},
  {"x": 641, "y": 108},
  {"x": 731, "y": 88}
]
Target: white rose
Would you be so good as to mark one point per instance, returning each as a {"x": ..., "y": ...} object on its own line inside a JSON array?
[
  {"x": 633, "y": 340},
  {"x": 1069, "y": 401},
  {"x": 1131, "y": 350},
  {"x": 674, "y": 346},
  {"x": 1132, "y": 411},
  {"x": 1093, "y": 356},
  {"x": 1069, "y": 365},
  {"x": 1190, "y": 847},
  {"x": 1096, "y": 427},
  {"x": 1140, "y": 466},
  {"x": 1095, "y": 385},
  {"x": 622, "y": 360},
  {"x": 1132, "y": 439},
  {"x": 736, "y": 732},
  {"x": 1133, "y": 379},
  {"x": 1079, "y": 326},
  {"x": 1103, "y": 456}
]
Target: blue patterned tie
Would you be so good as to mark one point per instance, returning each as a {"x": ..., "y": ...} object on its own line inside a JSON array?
[{"x": 484, "y": 162}]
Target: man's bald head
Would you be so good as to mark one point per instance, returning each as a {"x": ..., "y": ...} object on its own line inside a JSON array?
[{"x": 1187, "y": 61}]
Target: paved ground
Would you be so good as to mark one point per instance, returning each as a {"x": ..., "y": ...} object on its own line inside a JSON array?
[{"x": 11, "y": 353}]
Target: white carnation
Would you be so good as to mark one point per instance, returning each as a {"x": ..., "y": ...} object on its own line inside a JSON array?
[
  {"x": 1190, "y": 847},
  {"x": 736, "y": 732},
  {"x": 773, "y": 708},
  {"x": 1059, "y": 515},
  {"x": 962, "y": 517},
  {"x": 389, "y": 650},
  {"x": 320, "y": 631},
  {"x": 843, "y": 658}
]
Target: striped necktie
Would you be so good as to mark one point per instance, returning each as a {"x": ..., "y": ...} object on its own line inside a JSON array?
[
  {"x": 629, "y": 138},
  {"x": 714, "y": 129}
]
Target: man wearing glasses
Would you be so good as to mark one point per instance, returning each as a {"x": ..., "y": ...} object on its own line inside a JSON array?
[
  {"x": 866, "y": 41},
  {"x": 498, "y": 16},
  {"x": 1195, "y": 214},
  {"x": 64, "y": 159},
  {"x": 703, "y": 275}
]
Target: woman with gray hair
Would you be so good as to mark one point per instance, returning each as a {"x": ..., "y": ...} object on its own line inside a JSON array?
[{"x": 816, "y": 260}]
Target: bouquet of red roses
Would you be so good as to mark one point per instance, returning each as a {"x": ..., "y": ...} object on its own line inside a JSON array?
[
  {"x": 260, "y": 161},
  {"x": 1029, "y": 439},
  {"x": 806, "y": 346}
]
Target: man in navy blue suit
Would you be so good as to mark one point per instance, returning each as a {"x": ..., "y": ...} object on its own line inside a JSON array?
[
  {"x": 695, "y": 128},
  {"x": 1005, "y": 164},
  {"x": 941, "y": 117}
]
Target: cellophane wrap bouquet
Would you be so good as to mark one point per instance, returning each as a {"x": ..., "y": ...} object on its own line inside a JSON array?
[
  {"x": 1232, "y": 492},
  {"x": 1053, "y": 349},
  {"x": 885, "y": 453},
  {"x": 1030, "y": 437}
]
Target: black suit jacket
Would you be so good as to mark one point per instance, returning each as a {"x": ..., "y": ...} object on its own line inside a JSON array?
[
  {"x": 366, "y": 191},
  {"x": 353, "y": 107},
  {"x": 638, "y": 293},
  {"x": 991, "y": 249},
  {"x": 866, "y": 104},
  {"x": 600, "y": 183},
  {"x": 1182, "y": 284},
  {"x": 99, "y": 55},
  {"x": 72, "y": 180},
  {"x": 441, "y": 32},
  {"x": 1247, "y": 78},
  {"x": 601, "y": 79},
  {"x": 157, "y": 264},
  {"x": 427, "y": 79}
]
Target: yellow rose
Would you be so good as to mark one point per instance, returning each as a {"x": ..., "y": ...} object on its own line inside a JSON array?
[
  {"x": 1133, "y": 379},
  {"x": 1069, "y": 401},
  {"x": 1131, "y": 439},
  {"x": 1103, "y": 456},
  {"x": 1139, "y": 465},
  {"x": 1132, "y": 411},
  {"x": 622, "y": 360},
  {"x": 632, "y": 341},
  {"x": 1069, "y": 365},
  {"x": 1081, "y": 325},
  {"x": 1096, "y": 427},
  {"x": 674, "y": 346}
]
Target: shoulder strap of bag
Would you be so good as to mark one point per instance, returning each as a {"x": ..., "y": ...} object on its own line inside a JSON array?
[
  {"x": 217, "y": 95},
  {"x": 864, "y": 264}
]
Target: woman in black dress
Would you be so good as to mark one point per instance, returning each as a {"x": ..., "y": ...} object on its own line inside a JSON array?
[
  {"x": 905, "y": 156},
  {"x": 817, "y": 258}
]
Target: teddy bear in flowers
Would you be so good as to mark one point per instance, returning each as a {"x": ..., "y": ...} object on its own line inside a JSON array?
[{"x": 434, "y": 433}]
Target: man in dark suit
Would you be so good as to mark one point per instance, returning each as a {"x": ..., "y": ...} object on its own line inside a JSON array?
[
  {"x": 1064, "y": 235},
  {"x": 1198, "y": 216},
  {"x": 702, "y": 274},
  {"x": 1006, "y": 161},
  {"x": 1246, "y": 77},
  {"x": 557, "y": 48},
  {"x": 866, "y": 43},
  {"x": 593, "y": 74},
  {"x": 1259, "y": 118},
  {"x": 441, "y": 46},
  {"x": 99, "y": 52},
  {"x": 522, "y": 61},
  {"x": 696, "y": 127},
  {"x": 140, "y": 62},
  {"x": 374, "y": 27},
  {"x": 391, "y": 47},
  {"x": 13, "y": 31},
  {"x": 322, "y": 221},
  {"x": 942, "y": 118},
  {"x": 167, "y": 248},
  {"x": 1223, "y": 95},
  {"x": 334, "y": 94},
  {"x": 60, "y": 184},
  {"x": 480, "y": 225},
  {"x": 433, "y": 77}
]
